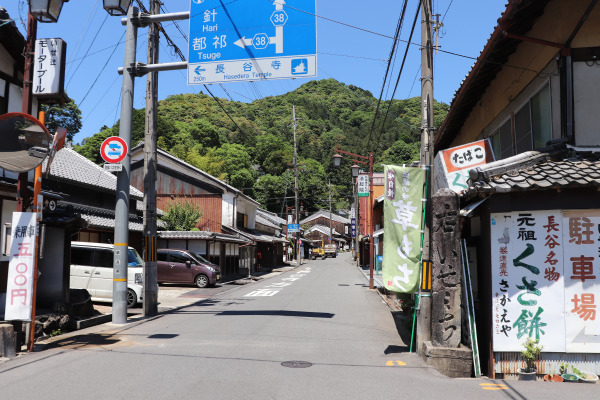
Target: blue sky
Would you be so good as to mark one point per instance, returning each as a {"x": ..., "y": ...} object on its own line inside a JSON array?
[{"x": 353, "y": 43}]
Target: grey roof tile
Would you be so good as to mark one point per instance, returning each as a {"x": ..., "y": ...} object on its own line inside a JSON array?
[{"x": 71, "y": 166}]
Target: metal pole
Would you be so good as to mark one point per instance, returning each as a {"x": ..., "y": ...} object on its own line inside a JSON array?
[
  {"x": 119, "y": 307},
  {"x": 297, "y": 221},
  {"x": 424, "y": 317},
  {"x": 150, "y": 136},
  {"x": 357, "y": 222},
  {"x": 370, "y": 222},
  {"x": 330, "y": 230}
]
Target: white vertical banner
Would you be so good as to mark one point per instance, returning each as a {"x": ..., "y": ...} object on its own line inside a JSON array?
[
  {"x": 527, "y": 280},
  {"x": 20, "y": 267},
  {"x": 581, "y": 238}
]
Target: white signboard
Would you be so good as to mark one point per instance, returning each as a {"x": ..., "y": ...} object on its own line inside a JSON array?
[
  {"x": 452, "y": 165},
  {"x": 363, "y": 185},
  {"x": 20, "y": 267},
  {"x": 49, "y": 67},
  {"x": 544, "y": 284}
]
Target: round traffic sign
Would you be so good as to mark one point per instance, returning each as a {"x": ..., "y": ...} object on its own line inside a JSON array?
[{"x": 113, "y": 149}]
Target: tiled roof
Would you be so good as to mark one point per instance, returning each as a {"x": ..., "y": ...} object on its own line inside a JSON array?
[
  {"x": 321, "y": 228},
  {"x": 256, "y": 236},
  {"x": 101, "y": 217},
  {"x": 274, "y": 218},
  {"x": 68, "y": 165},
  {"x": 200, "y": 235},
  {"x": 567, "y": 168},
  {"x": 266, "y": 222},
  {"x": 325, "y": 214}
]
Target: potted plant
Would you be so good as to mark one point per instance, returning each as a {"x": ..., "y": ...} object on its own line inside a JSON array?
[
  {"x": 553, "y": 377},
  {"x": 588, "y": 377},
  {"x": 530, "y": 353},
  {"x": 570, "y": 377}
]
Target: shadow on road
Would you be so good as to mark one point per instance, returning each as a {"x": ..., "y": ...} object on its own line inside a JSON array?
[{"x": 283, "y": 313}]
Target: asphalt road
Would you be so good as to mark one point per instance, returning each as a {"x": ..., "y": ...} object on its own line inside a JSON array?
[{"x": 316, "y": 332}]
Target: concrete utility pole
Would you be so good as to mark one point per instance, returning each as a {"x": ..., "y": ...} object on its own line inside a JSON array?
[
  {"x": 424, "y": 317},
  {"x": 150, "y": 162},
  {"x": 119, "y": 306},
  {"x": 297, "y": 221}
]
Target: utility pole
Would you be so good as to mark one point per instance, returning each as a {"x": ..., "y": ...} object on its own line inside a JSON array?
[
  {"x": 298, "y": 258},
  {"x": 424, "y": 317},
  {"x": 330, "y": 231},
  {"x": 150, "y": 306}
]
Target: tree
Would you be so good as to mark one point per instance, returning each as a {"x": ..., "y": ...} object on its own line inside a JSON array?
[
  {"x": 270, "y": 191},
  {"x": 68, "y": 116},
  {"x": 182, "y": 216}
]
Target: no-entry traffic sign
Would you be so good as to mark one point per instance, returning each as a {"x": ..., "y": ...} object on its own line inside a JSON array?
[{"x": 113, "y": 149}]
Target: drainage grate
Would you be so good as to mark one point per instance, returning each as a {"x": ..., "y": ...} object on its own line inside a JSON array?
[{"x": 296, "y": 364}]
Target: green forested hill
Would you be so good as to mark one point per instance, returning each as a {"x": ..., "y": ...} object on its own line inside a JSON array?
[{"x": 254, "y": 152}]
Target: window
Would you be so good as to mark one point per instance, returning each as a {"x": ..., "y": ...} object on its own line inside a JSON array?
[
  {"x": 541, "y": 117},
  {"x": 81, "y": 256},
  {"x": 161, "y": 255},
  {"x": 533, "y": 122},
  {"x": 177, "y": 257},
  {"x": 104, "y": 258},
  {"x": 533, "y": 127},
  {"x": 502, "y": 141}
]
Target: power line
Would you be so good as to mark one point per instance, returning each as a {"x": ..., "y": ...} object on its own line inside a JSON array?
[
  {"x": 101, "y": 70},
  {"x": 400, "y": 72},
  {"x": 392, "y": 50},
  {"x": 90, "y": 46}
]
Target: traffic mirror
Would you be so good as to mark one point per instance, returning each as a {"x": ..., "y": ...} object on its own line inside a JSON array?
[{"x": 24, "y": 142}]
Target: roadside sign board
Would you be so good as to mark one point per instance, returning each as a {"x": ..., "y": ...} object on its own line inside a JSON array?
[
  {"x": 113, "y": 167},
  {"x": 251, "y": 40},
  {"x": 363, "y": 185},
  {"x": 452, "y": 165},
  {"x": 113, "y": 149},
  {"x": 293, "y": 228},
  {"x": 353, "y": 227}
]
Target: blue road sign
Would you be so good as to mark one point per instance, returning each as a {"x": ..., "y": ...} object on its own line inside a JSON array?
[
  {"x": 251, "y": 40},
  {"x": 293, "y": 228}
]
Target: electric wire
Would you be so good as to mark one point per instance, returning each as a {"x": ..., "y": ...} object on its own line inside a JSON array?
[
  {"x": 101, "y": 70},
  {"x": 400, "y": 72},
  {"x": 391, "y": 57},
  {"x": 86, "y": 53}
]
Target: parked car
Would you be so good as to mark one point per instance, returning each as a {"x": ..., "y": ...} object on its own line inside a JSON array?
[
  {"x": 92, "y": 269},
  {"x": 186, "y": 266}
]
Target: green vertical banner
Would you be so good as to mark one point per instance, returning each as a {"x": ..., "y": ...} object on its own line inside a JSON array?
[{"x": 403, "y": 214}]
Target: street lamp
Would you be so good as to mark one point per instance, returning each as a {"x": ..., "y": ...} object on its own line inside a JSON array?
[
  {"x": 46, "y": 10},
  {"x": 337, "y": 160},
  {"x": 116, "y": 7}
]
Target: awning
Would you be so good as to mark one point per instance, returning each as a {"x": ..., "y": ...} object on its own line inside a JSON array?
[{"x": 256, "y": 236}]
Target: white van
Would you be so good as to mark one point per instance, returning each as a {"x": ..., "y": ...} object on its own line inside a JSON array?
[{"x": 92, "y": 269}]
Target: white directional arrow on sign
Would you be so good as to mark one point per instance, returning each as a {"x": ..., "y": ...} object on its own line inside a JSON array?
[
  {"x": 277, "y": 40},
  {"x": 243, "y": 42}
]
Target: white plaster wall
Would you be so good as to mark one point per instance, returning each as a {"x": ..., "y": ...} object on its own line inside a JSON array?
[
  {"x": 6, "y": 62},
  {"x": 15, "y": 100},
  {"x": 8, "y": 207},
  {"x": 586, "y": 86},
  {"x": 198, "y": 246},
  {"x": 228, "y": 209}
]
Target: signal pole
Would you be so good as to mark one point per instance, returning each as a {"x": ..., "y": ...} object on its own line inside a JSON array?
[{"x": 424, "y": 316}]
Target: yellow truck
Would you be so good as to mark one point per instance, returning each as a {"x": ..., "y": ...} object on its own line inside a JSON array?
[{"x": 318, "y": 251}]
